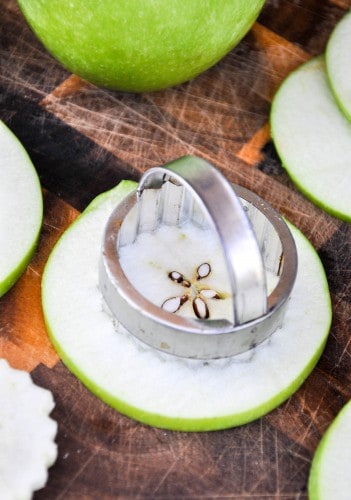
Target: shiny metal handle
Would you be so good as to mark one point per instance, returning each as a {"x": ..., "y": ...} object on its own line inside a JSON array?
[
  {"x": 215, "y": 197},
  {"x": 254, "y": 239}
]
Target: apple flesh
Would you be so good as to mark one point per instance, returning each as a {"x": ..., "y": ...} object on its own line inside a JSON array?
[
  {"x": 182, "y": 284},
  {"x": 313, "y": 138},
  {"x": 21, "y": 209},
  {"x": 160, "y": 389},
  {"x": 338, "y": 63},
  {"x": 139, "y": 45},
  {"x": 330, "y": 472}
]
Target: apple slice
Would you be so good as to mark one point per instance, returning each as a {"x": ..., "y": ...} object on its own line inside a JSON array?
[
  {"x": 330, "y": 472},
  {"x": 313, "y": 138},
  {"x": 21, "y": 208},
  {"x": 160, "y": 389},
  {"x": 27, "y": 434},
  {"x": 338, "y": 63}
]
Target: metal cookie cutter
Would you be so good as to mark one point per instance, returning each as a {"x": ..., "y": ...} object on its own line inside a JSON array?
[{"x": 254, "y": 239}]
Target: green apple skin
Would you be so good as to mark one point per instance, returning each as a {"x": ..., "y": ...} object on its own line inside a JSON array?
[
  {"x": 337, "y": 64},
  {"x": 7, "y": 283},
  {"x": 16, "y": 164},
  {"x": 139, "y": 45},
  {"x": 329, "y": 477},
  {"x": 313, "y": 138}
]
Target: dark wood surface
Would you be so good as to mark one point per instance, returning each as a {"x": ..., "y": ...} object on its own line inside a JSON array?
[{"x": 83, "y": 140}]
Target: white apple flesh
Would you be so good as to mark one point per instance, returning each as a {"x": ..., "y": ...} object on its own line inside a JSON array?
[
  {"x": 160, "y": 389},
  {"x": 171, "y": 281},
  {"x": 338, "y": 63},
  {"x": 330, "y": 477},
  {"x": 21, "y": 209},
  {"x": 313, "y": 138}
]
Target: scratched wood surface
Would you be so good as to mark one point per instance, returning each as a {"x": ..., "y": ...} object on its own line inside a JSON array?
[{"x": 83, "y": 140}]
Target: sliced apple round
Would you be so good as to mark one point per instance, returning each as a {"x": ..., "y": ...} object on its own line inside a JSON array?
[
  {"x": 313, "y": 138},
  {"x": 21, "y": 208},
  {"x": 338, "y": 63},
  {"x": 330, "y": 472},
  {"x": 160, "y": 389}
]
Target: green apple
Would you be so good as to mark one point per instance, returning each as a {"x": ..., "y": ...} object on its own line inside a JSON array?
[
  {"x": 27, "y": 434},
  {"x": 139, "y": 45},
  {"x": 338, "y": 63},
  {"x": 157, "y": 388},
  {"x": 21, "y": 209},
  {"x": 330, "y": 477},
  {"x": 313, "y": 138}
]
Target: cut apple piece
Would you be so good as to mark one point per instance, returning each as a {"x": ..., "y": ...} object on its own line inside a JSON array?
[
  {"x": 330, "y": 472},
  {"x": 27, "y": 434},
  {"x": 196, "y": 286},
  {"x": 313, "y": 138},
  {"x": 160, "y": 389},
  {"x": 338, "y": 63},
  {"x": 21, "y": 209}
]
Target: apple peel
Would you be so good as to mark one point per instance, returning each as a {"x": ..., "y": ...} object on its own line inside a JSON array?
[
  {"x": 27, "y": 434},
  {"x": 21, "y": 209},
  {"x": 139, "y": 46},
  {"x": 313, "y": 138},
  {"x": 330, "y": 471},
  {"x": 160, "y": 389},
  {"x": 338, "y": 63}
]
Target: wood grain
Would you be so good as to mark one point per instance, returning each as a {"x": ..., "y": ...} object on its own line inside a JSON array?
[{"x": 83, "y": 140}]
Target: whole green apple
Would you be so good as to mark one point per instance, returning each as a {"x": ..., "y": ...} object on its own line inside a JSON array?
[{"x": 139, "y": 45}]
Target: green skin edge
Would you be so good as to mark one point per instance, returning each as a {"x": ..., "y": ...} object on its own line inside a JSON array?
[
  {"x": 314, "y": 199},
  {"x": 314, "y": 492},
  {"x": 340, "y": 104},
  {"x": 346, "y": 112},
  {"x": 17, "y": 272},
  {"x": 173, "y": 423}
]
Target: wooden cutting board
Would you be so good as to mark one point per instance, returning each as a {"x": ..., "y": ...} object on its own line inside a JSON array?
[{"x": 83, "y": 140}]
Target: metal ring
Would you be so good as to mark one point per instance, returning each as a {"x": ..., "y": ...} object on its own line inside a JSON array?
[{"x": 250, "y": 224}]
